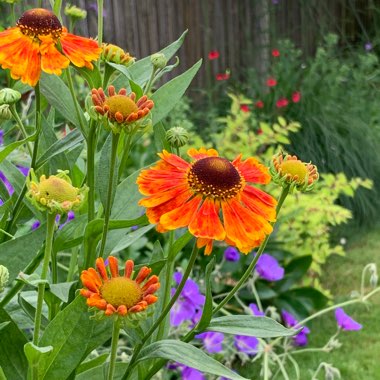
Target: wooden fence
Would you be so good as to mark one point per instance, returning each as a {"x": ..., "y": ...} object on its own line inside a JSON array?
[{"x": 243, "y": 31}]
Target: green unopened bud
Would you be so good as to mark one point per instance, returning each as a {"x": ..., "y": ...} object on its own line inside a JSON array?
[
  {"x": 158, "y": 60},
  {"x": 9, "y": 96},
  {"x": 177, "y": 137},
  {"x": 5, "y": 113},
  {"x": 75, "y": 12},
  {"x": 115, "y": 54},
  {"x": 4, "y": 277}
]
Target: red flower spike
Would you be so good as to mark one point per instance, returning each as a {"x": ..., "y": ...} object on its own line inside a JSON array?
[
  {"x": 275, "y": 53},
  {"x": 214, "y": 54},
  {"x": 271, "y": 82}
]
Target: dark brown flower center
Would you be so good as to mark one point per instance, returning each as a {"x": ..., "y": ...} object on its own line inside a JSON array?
[
  {"x": 39, "y": 21},
  {"x": 215, "y": 177}
]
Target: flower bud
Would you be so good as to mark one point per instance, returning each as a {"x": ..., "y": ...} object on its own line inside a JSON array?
[
  {"x": 177, "y": 137},
  {"x": 115, "y": 54},
  {"x": 9, "y": 96},
  {"x": 158, "y": 60},
  {"x": 75, "y": 12},
  {"x": 4, "y": 277},
  {"x": 5, "y": 113}
]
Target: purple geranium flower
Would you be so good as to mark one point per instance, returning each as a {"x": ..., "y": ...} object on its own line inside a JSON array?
[
  {"x": 231, "y": 254},
  {"x": 7, "y": 184},
  {"x": 268, "y": 268},
  {"x": 246, "y": 344},
  {"x": 1, "y": 137},
  {"x": 301, "y": 338},
  {"x": 23, "y": 169},
  {"x": 255, "y": 310},
  {"x": 189, "y": 373},
  {"x": 70, "y": 217},
  {"x": 188, "y": 304},
  {"x": 345, "y": 322},
  {"x": 212, "y": 341},
  {"x": 368, "y": 46},
  {"x": 35, "y": 225}
]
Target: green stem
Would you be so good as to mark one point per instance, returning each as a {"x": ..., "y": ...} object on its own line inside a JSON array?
[
  {"x": 45, "y": 267},
  {"x": 115, "y": 340},
  {"x": 266, "y": 365},
  {"x": 150, "y": 82},
  {"x": 76, "y": 105},
  {"x": 247, "y": 273},
  {"x": 100, "y": 22},
  {"x": 125, "y": 156},
  {"x": 72, "y": 265},
  {"x": 13, "y": 17},
  {"x": 162, "y": 316},
  {"x": 22, "y": 128},
  {"x": 108, "y": 206},
  {"x": 91, "y": 147},
  {"x": 32, "y": 266}
]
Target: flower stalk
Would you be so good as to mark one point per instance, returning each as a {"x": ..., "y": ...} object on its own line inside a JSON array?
[{"x": 114, "y": 344}]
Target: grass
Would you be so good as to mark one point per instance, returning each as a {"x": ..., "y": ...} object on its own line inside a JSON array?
[{"x": 357, "y": 359}]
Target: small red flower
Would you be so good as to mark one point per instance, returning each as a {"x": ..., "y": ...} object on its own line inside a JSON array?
[
  {"x": 282, "y": 102},
  {"x": 275, "y": 53},
  {"x": 222, "y": 76},
  {"x": 259, "y": 104},
  {"x": 296, "y": 97},
  {"x": 244, "y": 108},
  {"x": 271, "y": 82},
  {"x": 214, "y": 54},
  {"x": 259, "y": 131}
]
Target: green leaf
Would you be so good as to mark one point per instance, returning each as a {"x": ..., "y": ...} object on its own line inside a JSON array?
[
  {"x": 93, "y": 76},
  {"x": 12, "y": 358},
  {"x": 160, "y": 140},
  {"x": 37, "y": 358},
  {"x": 180, "y": 243},
  {"x": 58, "y": 95},
  {"x": 71, "y": 234},
  {"x": 100, "y": 372},
  {"x": 167, "y": 96},
  {"x": 17, "y": 253},
  {"x": 92, "y": 363},
  {"x": 250, "y": 325},
  {"x": 188, "y": 355},
  {"x": 62, "y": 290},
  {"x": 140, "y": 71},
  {"x": 310, "y": 298},
  {"x": 136, "y": 89},
  {"x": 28, "y": 301},
  {"x": 12, "y": 146},
  {"x": 2, "y": 325},
  {"x": 207, "y": 308},
  {"x": 73, "y": 335},
  {"x": 69, "y": 142}
]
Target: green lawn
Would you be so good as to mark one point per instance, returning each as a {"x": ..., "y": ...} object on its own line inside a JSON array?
[{"x": 358, "y": 358}]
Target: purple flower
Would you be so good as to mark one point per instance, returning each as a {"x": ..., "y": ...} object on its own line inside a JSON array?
[
  {"x": 188, "y": 304},
  {"x": 7, "y": 184},
  {"x": 189, "y": 373},
  {"x": 134, "y": 228},
  {"x": 69, "y": 218},
  {"x": 301, "y": 338},
  {"x": 255, "y": 310},
  {"x": 345, "y": 322},
  {"x": 368, "y": 46},
  {"x": 24, "y": 170},
  {"x": 94, "y": 7},
  {"x": 35, "y": 225},
  {"x": 246, "y": 344},
  {"x": 268, "y": 268},
  {"x": 1, "y": 137},
  {"x": 231, "y": 254},
  {"x": 212, "y": 341}
]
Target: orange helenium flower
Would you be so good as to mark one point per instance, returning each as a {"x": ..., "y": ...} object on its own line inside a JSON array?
[
  {"x": 31, "y": 46},
  {"x": 118, "y": 294},
  {"x": 211, "y": 196}
]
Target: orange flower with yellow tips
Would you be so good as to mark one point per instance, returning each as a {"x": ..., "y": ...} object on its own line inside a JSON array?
[
  {"x": 117, "y": 294},
  {"x": 39, "y": 42},
  {"x": 212, "y": 196}
]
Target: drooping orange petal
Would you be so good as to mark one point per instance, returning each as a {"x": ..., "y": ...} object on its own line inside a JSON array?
[
  {"x": 203, "y": 242},
  {"x": 79, "y": 50},
  {"x": 96, "y": 301},
  {"x": 52, "y": 61},
  {"x": 202, "y": 153},
  {"x": 101, "y": 268},
  {"x": 153, "y": 280},
  {"x": 206, "y": 223},
  {"x": 110, "y": 310},
  {"x": 122, "y": 310},
  {"x": 252, "y": 170},
  {"x": 244, "y": 227},
  {"x": 174, "y": 160},
  {"x": 114, "y": 266},
  {"x": 259, "y": 202},
  {"x": 181, "y": 216}
]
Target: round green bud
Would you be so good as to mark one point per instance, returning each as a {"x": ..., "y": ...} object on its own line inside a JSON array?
[
  {"x": 4, "y": 277},
  {"x": 75, "y": 12},
  {"x": 177, "y": 137},
  {"x": 158, "y": 60},
  {"x": 5, "y": 113},
  {"x": 9, "y": 96}
]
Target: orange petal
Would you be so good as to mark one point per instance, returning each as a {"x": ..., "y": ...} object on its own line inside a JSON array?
[
  {"x": 109, "y": 310},
  {"x": 114, "y": 266},
  {"x": 163, "y": 197},
  {"x": 96, "y": 301},
  {"x": 101, "y": 268},
  {"x": 206, "y": 223},
  {"x": 143, "y": 274},
  {"x": 244, "y": 227},
  {"x": 52, "y": 61},
  {"x": 202, "y": 242},
  {"x": 79, "y": 50},
  {"x": 122, "y": 310},
  {"x": 152, "y": 184},
  {"x": 174, "y": 160},
  {"x": 252, "y": 170},
  {"x": 129, "y": 264},
  {"x": 150, "y": 298},
  {"x": 152, "y": 289},
  {"x": 153, "y": 280},
  {"x": 202, "y": 153},
  {"x": 259, "y": 202},
  {"x": 181, "y": 216}
]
